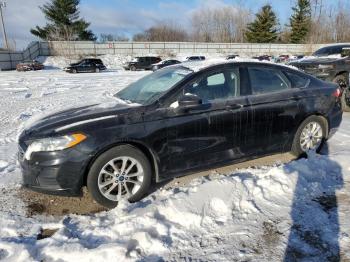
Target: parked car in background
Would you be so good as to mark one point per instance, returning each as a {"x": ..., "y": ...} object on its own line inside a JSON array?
[
  {"x": 330, "y": 63},
  {"x": 281, "y": 59},
  {"x": 87, "y": 65},
  {"x": 29, "y": 65},
  {"x": 142, "y": 62},
  {"x": 177, "y": 121},
  {"x": 165, "y": 63},
  {"x": 229, "y": 57},
  {"x": 195, "y": 58},
  {"x": 262, "y": 57}
]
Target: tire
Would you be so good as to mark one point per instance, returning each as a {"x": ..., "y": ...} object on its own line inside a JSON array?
[
  {"x": 132, "y": 68},
  {"x": 74, "y": 71},
  {"x": 343, "y": 83},
  {"x": 97, "y": 70},
  {"x": 297, "y": 148},
  {"x": 116, "y": 156},
  {"x": 345, "y": 100}
]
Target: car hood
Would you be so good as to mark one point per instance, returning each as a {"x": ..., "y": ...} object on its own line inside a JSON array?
[
  {"x": 48, "y": 124},
  {"x": 317, "y": 60}
]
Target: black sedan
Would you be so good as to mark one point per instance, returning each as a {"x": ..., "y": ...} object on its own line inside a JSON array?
[
  {"x": 176, "y": 121},
  {"x": 165, "y": 63},
  {"x": 88, "y": 65}
]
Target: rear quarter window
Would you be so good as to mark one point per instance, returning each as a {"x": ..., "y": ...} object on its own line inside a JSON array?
[
  {"x": 296, "y": 80},
  {"x": 266, "y": 80}
]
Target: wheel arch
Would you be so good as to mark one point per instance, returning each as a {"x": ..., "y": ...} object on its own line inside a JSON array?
[
  {"x": 138, "y": 145},
  {"x": 320, "y": 115},
  {"x": 346, "y": 73}
]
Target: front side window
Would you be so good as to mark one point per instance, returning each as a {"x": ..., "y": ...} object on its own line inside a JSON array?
[
  {"x": 213, "y": 86},
  {"x": 151, "y": 87},
  {"x": 265, "y": 80}
]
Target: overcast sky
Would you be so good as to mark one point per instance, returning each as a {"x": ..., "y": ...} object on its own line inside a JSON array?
[{"x": 125, "y": 17}]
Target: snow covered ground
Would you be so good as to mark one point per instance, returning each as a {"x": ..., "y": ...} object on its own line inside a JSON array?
[{"x": 297, "y": 211}]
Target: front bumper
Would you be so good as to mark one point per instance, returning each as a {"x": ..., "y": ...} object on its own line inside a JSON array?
[{"x": 57, "y": 173}]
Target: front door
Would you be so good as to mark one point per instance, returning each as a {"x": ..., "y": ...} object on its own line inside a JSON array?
[{"x": 213, "y": 133}]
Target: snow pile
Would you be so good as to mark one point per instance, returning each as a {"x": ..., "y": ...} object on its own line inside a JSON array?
[
  {"x": 110, "y": 61},
  {"x": 216, "y": 218}
]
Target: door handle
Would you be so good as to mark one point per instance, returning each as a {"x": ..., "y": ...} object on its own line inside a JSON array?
[{"x": 233, "y": 106}]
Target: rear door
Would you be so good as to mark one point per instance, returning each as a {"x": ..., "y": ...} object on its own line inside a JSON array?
[{"x": 274, "y": 108}]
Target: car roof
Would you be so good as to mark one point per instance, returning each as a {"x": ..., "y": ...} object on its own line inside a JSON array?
[{"x": 205, "y": 64}]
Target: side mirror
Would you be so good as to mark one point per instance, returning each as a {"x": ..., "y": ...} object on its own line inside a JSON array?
[{"x": 189, "y": 101}]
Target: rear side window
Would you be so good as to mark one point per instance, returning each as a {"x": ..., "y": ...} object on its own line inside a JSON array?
[
  {"x": 297, "y": 81},
  {"x": 265, "y": 80}
]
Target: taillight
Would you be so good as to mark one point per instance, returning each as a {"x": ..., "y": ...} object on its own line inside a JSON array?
[{"x": 337, "y": 93}]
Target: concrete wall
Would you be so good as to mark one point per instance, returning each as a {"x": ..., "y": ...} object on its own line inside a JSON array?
[
  {"x": 161, "y": 48},
  {"x": 9, "y": 60}
]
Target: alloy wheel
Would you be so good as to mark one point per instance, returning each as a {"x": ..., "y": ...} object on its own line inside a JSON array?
[
  {"x": 311, "y": 136},
  {"x": 120, "y": 178}
]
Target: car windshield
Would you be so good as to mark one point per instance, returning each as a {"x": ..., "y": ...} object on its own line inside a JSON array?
[
  {"x": 151, "y": 87},
  {"x": 327, "y": 51}
]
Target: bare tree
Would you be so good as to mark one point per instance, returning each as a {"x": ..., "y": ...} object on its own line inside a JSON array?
[
  {"x": 331, "y": 24},
  {"x": 224, "y": 24},
  {"x": 110, "y": 38},
  {"x": 164, "y": 32}
]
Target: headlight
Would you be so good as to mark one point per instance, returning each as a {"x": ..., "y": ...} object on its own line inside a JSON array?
[
  {"x": 53, "y": 144},
  {"x": 325, "y": 66}
]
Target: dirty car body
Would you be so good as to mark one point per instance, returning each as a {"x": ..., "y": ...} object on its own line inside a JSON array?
[
  {"x": 330, "y": 63},
  {"x": 29, "y": 66},
  {"x": 217, "y": 115}
]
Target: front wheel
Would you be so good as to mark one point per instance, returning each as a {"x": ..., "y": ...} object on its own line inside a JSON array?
[
  {"x": 97, "y": 70},
  {"x": 310, "y": 135},
  {"x": 122, "y": 172}
]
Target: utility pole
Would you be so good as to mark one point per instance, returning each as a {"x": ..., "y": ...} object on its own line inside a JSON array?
[{"x": 2, "y": 5}]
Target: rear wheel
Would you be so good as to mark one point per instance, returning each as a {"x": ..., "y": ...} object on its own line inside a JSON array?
[
  {"x": 310, "y": 135},
  {"x": 97, "y": 70},
  {"x": 341, "y": 80},
  {"x": 122, "y": 172}
]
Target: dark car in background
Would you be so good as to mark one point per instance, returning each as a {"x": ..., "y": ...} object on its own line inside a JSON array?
[
  {"x": 262, "y": 57},
  {"x": 229, "y": 57},
  {"x": 177, "y": 121},
  {"x": 87, "y": 65},
  {"x": 142, "y": 62},
  {"x": 165, "y": 63},
  {"x": 29, "y": 65},
  {"x": 330, "y": 63},
  {"x": 195, "y": 58}
]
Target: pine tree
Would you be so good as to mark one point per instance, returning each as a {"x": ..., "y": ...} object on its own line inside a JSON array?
[
  {"x": 64, "y": 22},
  {"x": 264, "y": 28},
  {"x": 300, "y": 21}
]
